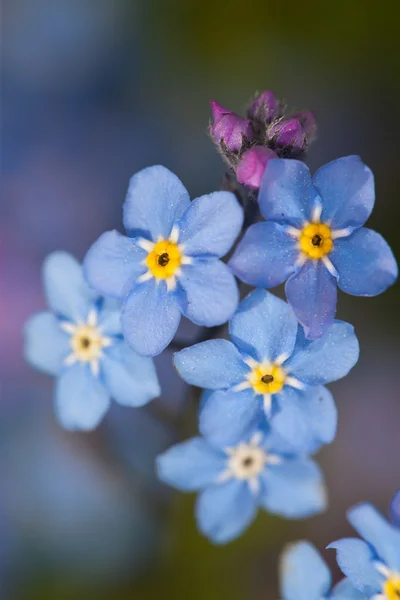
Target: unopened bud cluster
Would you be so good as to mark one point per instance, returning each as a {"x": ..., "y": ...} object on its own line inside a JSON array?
[{"x": 248, "y": 144}]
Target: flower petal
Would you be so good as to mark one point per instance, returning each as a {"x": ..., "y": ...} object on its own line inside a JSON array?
[
  {"x": 347, "y": 189},
  {"x": 294, "y": 489},
  {"x": 81, "y": 400},
  {"x": 345, "y": 590},
  {"x": 110, "y": 322},
  {"x": 264, "y": 326},
  {"x": 266, "y": 255},
  {"x": 356, "y": 560},
  {"x": 214, "y": 364},
  {"x": 131, "y": 379},
  {"x": 306, "y": 419},
  {"x": 395, "y": 509},
  {"x": 191, "y": 465},
  {"x": 211, "y": 224},
  {"x": 225, "y": 511},
  {"x": 46, "y": 344},
  {"x": 67, "y": 292},
  {"x": 227, "y": 417},
  {"x": 113, "y": 264},
  {"x": 327, "y": 359},
  {"x": 377, "y": 531},
  {"x": 211, "y": 294},
  {"x": 150, "y": 317},
  {"x": 156, "y": 198},
  {"x": 312, "y": 293},
  {"x": 365, "y": 263},
  {"x": 287, "y": 194},
  {"x": 304, "y": 575}
]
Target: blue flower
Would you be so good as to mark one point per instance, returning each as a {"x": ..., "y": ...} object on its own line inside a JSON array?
[
  {"x": 168, "y": 265},
  {"x": 269, "y": 367},
  {"x": 304, "y": 575},
  {"x": 314, "y": 239},
  {"x": 80, "y": 342},
  {"x": 235, "y": 481},
  {"x": 373, "y": 565}
]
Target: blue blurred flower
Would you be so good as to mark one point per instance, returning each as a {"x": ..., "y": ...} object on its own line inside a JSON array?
[
  {"x": 304, "y": 575},
  {"x": 234, "y": 481},
  {"x": 81, "y": 343},
  {"x": 314, "y": 239},
  {"x": 169, "y": 263},
  {"x": 269, "y": 367},
  {"x": 373, "y": 565},
  {"x": 395, "y": 509}
]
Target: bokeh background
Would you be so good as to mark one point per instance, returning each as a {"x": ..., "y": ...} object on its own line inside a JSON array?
[{"x": 92, "y": 91}]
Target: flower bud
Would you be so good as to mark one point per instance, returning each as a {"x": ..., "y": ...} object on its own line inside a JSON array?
[
  {"x": 308, "y": 122},
  {"x": 264, "y": 108},
  {"x": 287, "y": 137},
  {"x": 252, "y": 166},
  {"x": 229, "y": 130}
]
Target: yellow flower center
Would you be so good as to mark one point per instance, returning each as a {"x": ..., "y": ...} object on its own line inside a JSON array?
[
  {"x": 87, "y": 342},
  {"x": 316, "y": 240},
  {"x": 267, "y": 378},
  {"x": 164, "y": 259},
  {"x": 391, "y": 588}
]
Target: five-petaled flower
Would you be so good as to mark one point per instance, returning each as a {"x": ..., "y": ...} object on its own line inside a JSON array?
[
  {"x": 314, "y": 238},
  {"x": 258, "y": 471},
  {"x": 269, "y": 368},
  {"x": 80, "y": 342},
  {"x": 304, "y": 575},
  {"x": 373, "y": 565},
  {"x": 169, "y": 263}
]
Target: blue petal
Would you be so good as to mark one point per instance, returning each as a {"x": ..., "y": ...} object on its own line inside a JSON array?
[
  {"x": 191, "y": 465},
  {"x": 365, "y": 263},
  {"x": 395, "y": 509},
  {"x": 156, "y": 198},
  {"x": 356, "y": 560},
  {"x": 264, "y": 326},
  {"x": 210, "y": 292},
  {"x": 287, "y": 194},
  {"x": 306, "y": 419},
  {"x": 294, "y": 489},
  {"x": 326, "y": 359},
  {"x": 110, "y": 322},
  {"x": 312, "y": 293},
  {"x": 46, "y": 344},
  {"x": 225, "y": 511},
  {"x": 131, "y": 379},
  {"x": 150, "y": 317},
  {"x": 228, "y": 417},
  {"x": 377, "y": 531},
  {"x": 81, "y": 399},
  {"x": 214, "y": 364},
  {"x": 266, "y": 255},
  {"x": 304, "y": 575},
  {"x": 211, "y": 224},
  {"x": 345, "y": 590},
  {"x": 66, "y": 290},
  {"x": 346, "y": 186},
  {"x": 113, "y": 264}
]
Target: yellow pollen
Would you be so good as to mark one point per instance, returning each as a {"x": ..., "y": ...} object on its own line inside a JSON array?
[
  {"x": 164, "y": 259},
  {"x": 87, "y": 342},
  {"x": 316, "y": 240},
  {"x": 267, "y": 379},
  {"x": 391, "y": 588}
]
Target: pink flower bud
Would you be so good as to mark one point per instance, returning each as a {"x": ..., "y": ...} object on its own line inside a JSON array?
[
  {"x": 229, "y": 129},
  {"x": 287, "y": 137},
  {"x": 252, "y": 166},
  {"x": 264, "y": 108}
]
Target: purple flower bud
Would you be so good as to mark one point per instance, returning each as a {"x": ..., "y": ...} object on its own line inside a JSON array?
[
  {"x": 252, "y": 166},
  {"x": 229, "y": 129},
  {"x": 309, "y": 123},
  {"x": 264, "y": 108},
  {"x": 287, "y": 137}
]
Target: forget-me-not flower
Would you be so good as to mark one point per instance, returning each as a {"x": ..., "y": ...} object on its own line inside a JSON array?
[
  {"x": 169, "y": 263},
  {"x": 268, "y": 367},
  {"x": 373, "y": 565},
  {"x": 80, "y": 342},
  {"x": 304, "y": 575},
  {"x": 235, "y": 481},
  {"x": 314, "y": 238}
]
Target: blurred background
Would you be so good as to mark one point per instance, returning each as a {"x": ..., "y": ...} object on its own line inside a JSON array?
[{"x": 92, "y": 91}]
